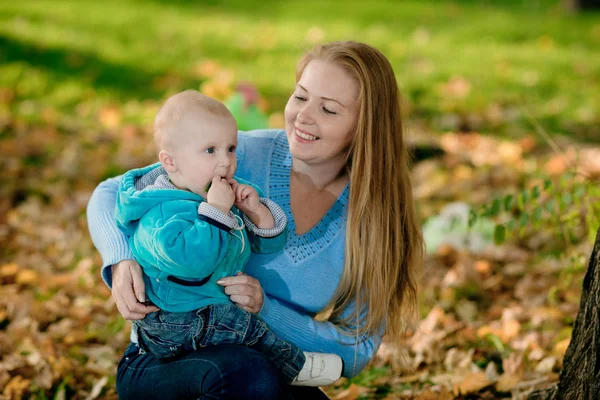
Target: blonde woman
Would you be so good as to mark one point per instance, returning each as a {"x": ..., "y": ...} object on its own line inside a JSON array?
[{"x": 340, "y": 173}]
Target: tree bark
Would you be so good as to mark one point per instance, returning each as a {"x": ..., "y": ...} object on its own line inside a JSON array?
[{"x": 580, "y": 375}]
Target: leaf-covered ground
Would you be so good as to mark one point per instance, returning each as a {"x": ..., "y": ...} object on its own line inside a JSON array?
[{"x": 78, "y": 91}]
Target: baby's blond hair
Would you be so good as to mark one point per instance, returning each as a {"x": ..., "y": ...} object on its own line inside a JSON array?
[{"x": 176, "y": 107}]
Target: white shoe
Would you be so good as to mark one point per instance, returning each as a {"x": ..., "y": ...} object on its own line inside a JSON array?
[{"x": 320, "y": 369}]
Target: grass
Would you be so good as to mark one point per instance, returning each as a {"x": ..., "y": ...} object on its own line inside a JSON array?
[{"x": 498, "y": 56}]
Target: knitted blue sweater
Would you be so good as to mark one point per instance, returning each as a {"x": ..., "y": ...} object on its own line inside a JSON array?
[{"x": 297, "y": 281}]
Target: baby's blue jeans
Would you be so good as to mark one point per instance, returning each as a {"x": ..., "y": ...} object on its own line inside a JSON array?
[{"x": 168, "y": 335}]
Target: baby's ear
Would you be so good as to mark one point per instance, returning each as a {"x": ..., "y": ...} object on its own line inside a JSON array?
[{"x": 167, "y": 161}]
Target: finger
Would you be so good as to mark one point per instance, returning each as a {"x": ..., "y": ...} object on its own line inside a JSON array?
[
  {"x": 128, "y": 297},
  {"x": 139, "y": 288},
  {"x": 131, "y": 307},
  {"x": 239, "y": 279},
  {"x": 140, "y": 308},
  {"x": 242, "y": 300},
  {"x": 125, "y": 311},
  {"x": 238, "y": 191},
  {"x": 245, "y": 290},
  {"x": 250, "y": 310}
]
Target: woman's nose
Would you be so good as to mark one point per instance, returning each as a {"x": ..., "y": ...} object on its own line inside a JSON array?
[{"x": 304, "y": 115}]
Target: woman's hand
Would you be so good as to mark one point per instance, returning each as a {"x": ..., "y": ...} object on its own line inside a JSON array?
[
  {"x": 244, "y": 291},
  {"x": 128, "y": 290}
]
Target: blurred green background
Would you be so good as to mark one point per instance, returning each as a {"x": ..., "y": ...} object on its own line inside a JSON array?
[{"x": 462, "y": 65}]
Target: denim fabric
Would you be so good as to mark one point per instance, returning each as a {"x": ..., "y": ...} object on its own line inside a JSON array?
[
  {"x": 168, "y": 335},
  {"x": 223, "y": 372}
]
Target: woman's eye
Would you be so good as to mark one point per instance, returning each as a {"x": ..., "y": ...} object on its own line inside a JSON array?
[
  {"x": 300, "y": 98},
  {"x": 210, "y": 150},
  {"x": 328, "y": 111}
]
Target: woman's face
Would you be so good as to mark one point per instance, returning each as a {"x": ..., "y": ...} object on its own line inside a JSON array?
[{"x": 322, "y": 113}]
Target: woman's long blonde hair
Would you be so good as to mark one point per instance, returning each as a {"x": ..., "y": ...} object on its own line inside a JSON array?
[{"x": 384, "y": 246}]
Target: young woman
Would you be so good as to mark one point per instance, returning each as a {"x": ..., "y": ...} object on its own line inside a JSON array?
[{"x": 340, "y": 172}]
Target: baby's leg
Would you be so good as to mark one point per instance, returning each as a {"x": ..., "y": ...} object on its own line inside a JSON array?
[
  {"x": 166, "y": 334},
  {"x": 225, "y": 324},
  {"x": 229, "y": 324},
  {"x": 299, "y": 368}
]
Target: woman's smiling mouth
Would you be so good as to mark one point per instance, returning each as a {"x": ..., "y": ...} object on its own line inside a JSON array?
[{"x": 304, "y": 135}]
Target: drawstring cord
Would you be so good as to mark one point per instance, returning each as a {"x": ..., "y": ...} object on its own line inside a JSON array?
[{"x": 240, "y": 226}]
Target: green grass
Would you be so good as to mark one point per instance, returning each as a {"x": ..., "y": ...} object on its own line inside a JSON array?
[{"x": 75, "y": 56}]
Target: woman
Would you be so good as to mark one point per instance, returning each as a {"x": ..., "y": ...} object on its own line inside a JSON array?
[{"x": 340, "y": 172}]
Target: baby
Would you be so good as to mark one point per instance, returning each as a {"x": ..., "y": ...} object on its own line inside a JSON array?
[{"x": 191, "y": 223}]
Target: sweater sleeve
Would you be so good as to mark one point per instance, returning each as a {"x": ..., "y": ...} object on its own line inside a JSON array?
[
  {"x": 111, "y": 243},
  {"x": 317, "y": 336}
]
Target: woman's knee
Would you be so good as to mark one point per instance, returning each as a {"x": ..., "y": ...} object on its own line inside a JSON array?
[{"x": 254, "y": 375}]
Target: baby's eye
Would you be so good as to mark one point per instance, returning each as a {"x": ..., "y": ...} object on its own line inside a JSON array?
[
  {"x": 210, "y": 150},
  {"x": 232, "y": 149}
]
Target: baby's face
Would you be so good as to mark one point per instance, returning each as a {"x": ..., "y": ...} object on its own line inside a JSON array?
[{"x": 206, "y": 149}]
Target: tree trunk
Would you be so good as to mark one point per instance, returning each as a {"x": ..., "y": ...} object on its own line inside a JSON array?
[{"x": 580, "y": 375}]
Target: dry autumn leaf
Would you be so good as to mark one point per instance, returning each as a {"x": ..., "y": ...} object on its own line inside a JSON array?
[{"x": 471, "y": 383}]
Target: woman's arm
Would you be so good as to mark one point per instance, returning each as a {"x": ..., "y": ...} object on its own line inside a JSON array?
[
  {"x": 117, "y": 259},
  {"x": 111, "y": 243},
  {"x": 316, "y": 336}
]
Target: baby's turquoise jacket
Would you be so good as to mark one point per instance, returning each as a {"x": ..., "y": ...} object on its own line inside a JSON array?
[{"x": 182, "y": 255}]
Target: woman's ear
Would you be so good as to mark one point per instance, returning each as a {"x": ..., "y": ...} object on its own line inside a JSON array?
[{"x": 167, "y": 161}]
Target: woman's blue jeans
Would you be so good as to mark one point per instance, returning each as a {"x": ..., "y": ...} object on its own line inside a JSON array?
[{"x": 220, "y": 372}]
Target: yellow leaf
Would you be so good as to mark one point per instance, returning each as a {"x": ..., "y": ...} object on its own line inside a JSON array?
[
  {"x": 561, "y": 347},
  {"x": 8, "y": 271},
  {"x": 507, "y": 382},
  {"x": 472, "y": 383},
  {"x": 16, "y": 387},
  {"x": 429, "y": 394},
  {"x": 27, "y": 277}
]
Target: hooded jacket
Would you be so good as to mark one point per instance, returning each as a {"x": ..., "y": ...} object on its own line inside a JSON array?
[{"x": 181, "y": 251}]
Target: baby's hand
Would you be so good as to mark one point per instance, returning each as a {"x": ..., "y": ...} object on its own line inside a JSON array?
[
  {"x": 221, "y": 194},
  {"x": 247, "y": 201},
  {"x": 246, "y": 198}
]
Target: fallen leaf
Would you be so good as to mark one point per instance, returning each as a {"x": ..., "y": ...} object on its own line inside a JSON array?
[
  {"x": 507, "y": 382},
  {"x": 97, "y": 388},
  {"x": 27, "y": 277},
  {"x": 546, "y": 365},
  {"x": 472, "y": 383},
  {"x": 352, "y": 393}
]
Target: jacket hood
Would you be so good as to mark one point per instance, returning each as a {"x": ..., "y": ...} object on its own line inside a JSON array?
[{"x": 133, "y": 201}]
